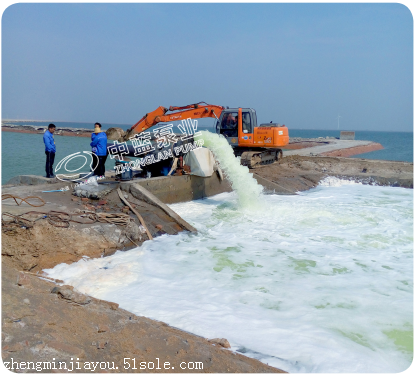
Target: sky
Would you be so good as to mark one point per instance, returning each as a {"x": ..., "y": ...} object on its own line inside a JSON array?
[{"x": 301, "y": 65}]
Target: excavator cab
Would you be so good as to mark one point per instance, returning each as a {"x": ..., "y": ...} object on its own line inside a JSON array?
[{"x": 228, "y": 122}]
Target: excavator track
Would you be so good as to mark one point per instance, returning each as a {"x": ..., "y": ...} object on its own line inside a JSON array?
[{"x": 255, "y": 159}]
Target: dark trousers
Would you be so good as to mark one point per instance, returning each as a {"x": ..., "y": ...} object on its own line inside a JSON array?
[
  {"x": 50, "y": 158},
  {"x": 100, "y": 169}
]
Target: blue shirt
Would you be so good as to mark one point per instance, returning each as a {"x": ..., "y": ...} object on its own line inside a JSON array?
[
  {"x": 99, "y": 143},
  {"x": 49, "y": 142}
]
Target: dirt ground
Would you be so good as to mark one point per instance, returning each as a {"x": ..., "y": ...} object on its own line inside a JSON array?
[
  {"x": 45, "y": 321},
  {"x": 298, "y": 173},
  {"x": 46, "y": 245}
]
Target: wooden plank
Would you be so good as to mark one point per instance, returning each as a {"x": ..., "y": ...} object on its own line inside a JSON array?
[
  {"x": 140, "y": 192},
  {"x": 136, "y": 213}
]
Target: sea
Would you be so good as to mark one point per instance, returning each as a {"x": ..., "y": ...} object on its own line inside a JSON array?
[
  {"x": 320, "y": 281},
  {"x": 23, "y": 153}
]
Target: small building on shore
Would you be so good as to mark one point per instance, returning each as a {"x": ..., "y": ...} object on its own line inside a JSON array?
[{"x": 347, "y": 136}]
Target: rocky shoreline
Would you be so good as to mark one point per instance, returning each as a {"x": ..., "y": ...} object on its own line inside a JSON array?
[{"x": 32, "y": 129}]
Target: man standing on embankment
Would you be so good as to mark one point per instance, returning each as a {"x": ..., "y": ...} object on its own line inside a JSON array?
[
  {"x": 50, "y": 150},
  {"x": 99, "y": 148}
]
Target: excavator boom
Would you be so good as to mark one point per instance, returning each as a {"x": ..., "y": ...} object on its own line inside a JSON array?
[{"x": 198, "y": 110}]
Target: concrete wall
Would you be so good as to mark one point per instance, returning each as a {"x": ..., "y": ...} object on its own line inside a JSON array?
[
  {"x": 30, "y": 180},
  {"x": 176, "y": 189}
]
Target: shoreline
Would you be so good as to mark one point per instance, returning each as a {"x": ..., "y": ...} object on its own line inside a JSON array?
[
  {"x": 31, "y": 129},
  {"x": 330, "y": 147}
]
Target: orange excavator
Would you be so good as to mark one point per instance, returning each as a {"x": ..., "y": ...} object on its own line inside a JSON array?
[{"x": 256, "y": 145}]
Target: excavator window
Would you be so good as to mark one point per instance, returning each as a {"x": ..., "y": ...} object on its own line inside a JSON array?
[
  {"x": 229, "y": 125},
  {"x": 246, "y": 122}
]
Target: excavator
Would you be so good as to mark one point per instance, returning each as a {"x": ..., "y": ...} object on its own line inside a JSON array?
[{"x": 256, "y": 145}]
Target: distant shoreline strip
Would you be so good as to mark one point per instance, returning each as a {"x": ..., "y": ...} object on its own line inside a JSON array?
[
  {"x": 28, "y": 129},
  {"x": 357, "y": 150}
]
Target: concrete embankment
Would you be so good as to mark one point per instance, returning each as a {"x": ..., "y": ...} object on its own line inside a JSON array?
[{"x": 329, "y": 147}]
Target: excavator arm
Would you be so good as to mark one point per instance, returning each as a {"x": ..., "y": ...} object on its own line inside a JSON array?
[{"x": 193, "y": 111}]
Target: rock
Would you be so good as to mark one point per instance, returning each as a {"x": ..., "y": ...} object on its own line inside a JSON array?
[
  {"x": 101, "y": 344},
  {"x": 6, "y": 338},
  {"x": 75, "y": 199},
  {"x": 85, "y": 199},
  {"x": 67, "y": 292},
  {"x": 159, "y": 226},
  {"x": 102, "y": 328},
  {"x": 26, "y": 301},
  {"x": 132, "y": 230},
  {"x": 72, "y": 350},
  {"x": 23, "y": 279},
  {"x": 115, "y": 134},
  {"x": 111, "y": 305},
  {"x": 125, "y": 209},
  {"x": 222, "y": 342},
  {"x": 12, "y": 347},
  {"x": 102, "y": 202},
  {"x": 92, "y": 192}
]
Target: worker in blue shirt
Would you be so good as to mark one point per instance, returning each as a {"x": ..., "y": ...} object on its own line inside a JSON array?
[
  {"x": 99, "y": 148},
  {"x": 50, "y": 150}
]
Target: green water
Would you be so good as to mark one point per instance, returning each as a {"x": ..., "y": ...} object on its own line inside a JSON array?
[{"x": 23, "y": 153}]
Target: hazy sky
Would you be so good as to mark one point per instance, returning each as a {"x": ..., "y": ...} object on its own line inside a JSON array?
[{"x": 297, "y": 64}]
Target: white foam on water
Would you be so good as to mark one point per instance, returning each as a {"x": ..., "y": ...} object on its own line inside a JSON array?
[
  {"x": 316, "y": 282},
  {"x": 335, "y": 181},
  {"x": 242, "y": 182}
]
